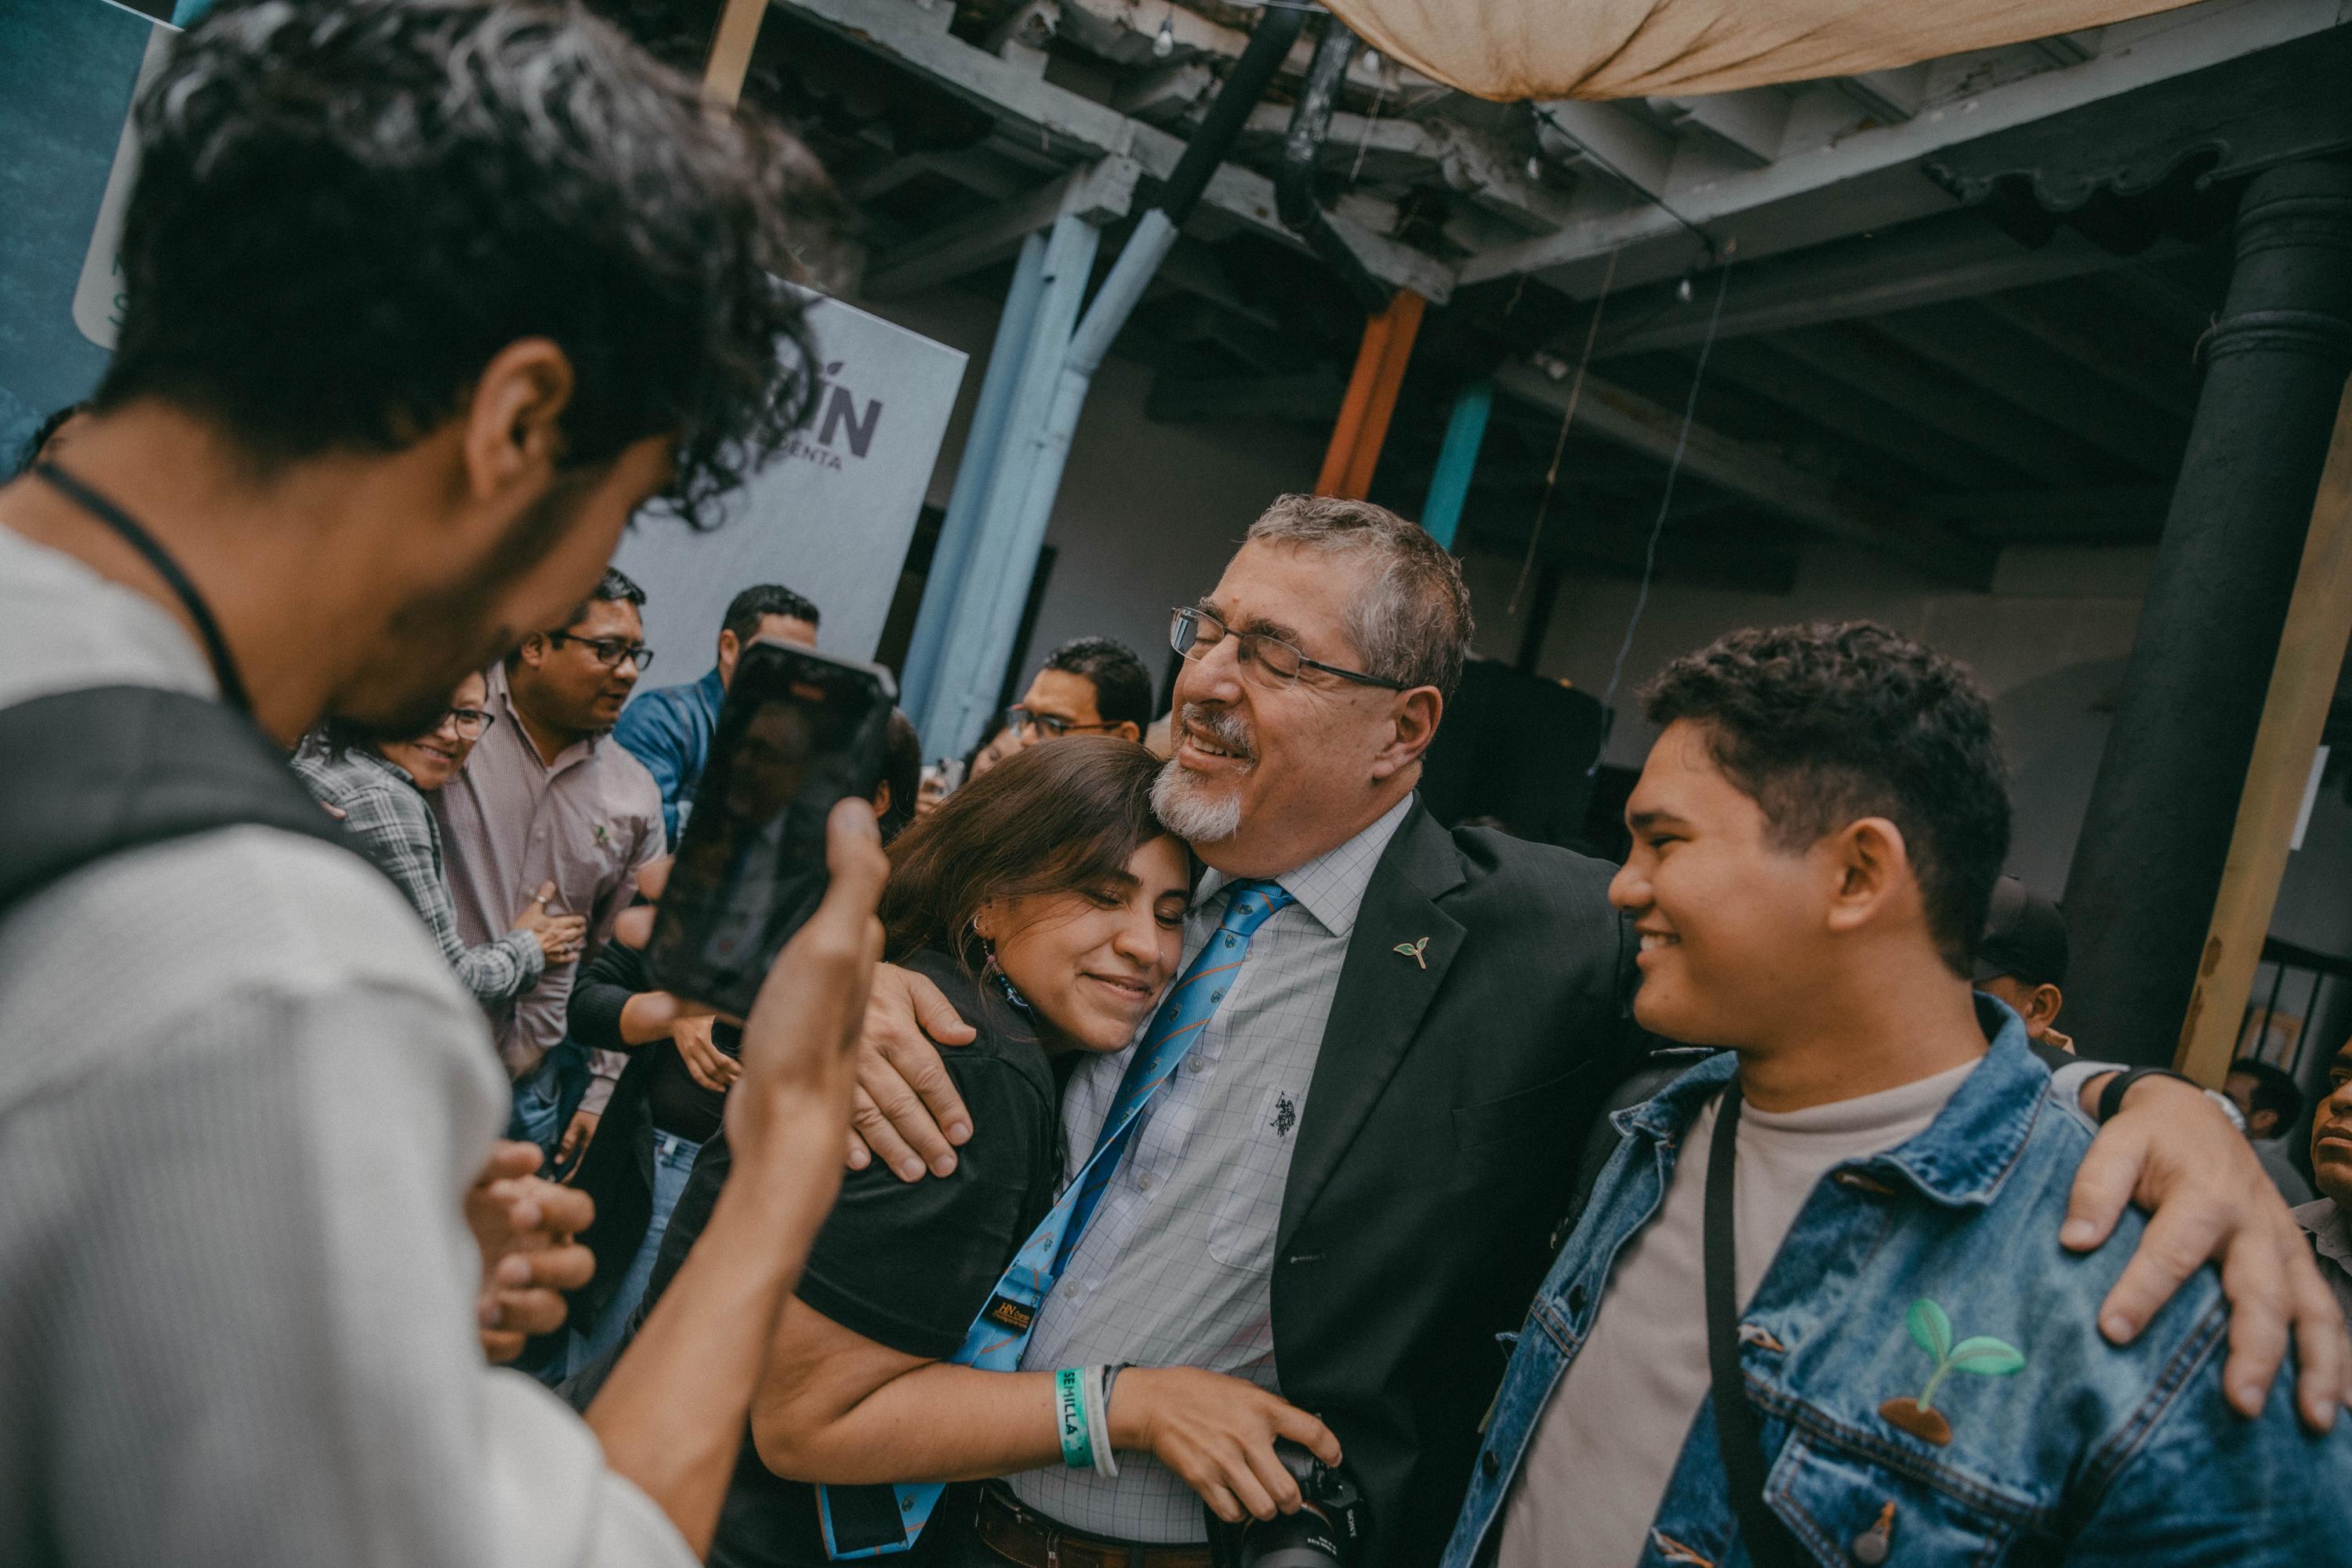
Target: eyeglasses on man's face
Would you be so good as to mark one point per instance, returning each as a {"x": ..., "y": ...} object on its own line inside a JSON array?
[
  {"x": 1052, "y": 726},
  {"x": 609, "y": 651},
  {"x": 469, "y": 723},
  {"x": 1275, "y": 662}
]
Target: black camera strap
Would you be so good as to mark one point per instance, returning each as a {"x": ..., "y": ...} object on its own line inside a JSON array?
[
  {"x": 135, "y": 534},
  {"x": 1738, "y": 1435}
]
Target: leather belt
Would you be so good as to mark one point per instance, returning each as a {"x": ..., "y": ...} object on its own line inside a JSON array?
[{"x": 1024, "y": 1536}]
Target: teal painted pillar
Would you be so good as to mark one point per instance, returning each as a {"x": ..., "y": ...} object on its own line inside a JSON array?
[{"x": 1457, "y": 460}]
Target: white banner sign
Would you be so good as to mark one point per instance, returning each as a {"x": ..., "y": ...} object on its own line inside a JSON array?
[{"x": 829, "y": 518}]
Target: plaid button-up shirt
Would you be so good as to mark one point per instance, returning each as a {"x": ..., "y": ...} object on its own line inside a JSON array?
[{"x": 381, "y": 806}]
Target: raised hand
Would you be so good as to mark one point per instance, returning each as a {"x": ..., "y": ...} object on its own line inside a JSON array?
[{"x": 524, "y": 1225}]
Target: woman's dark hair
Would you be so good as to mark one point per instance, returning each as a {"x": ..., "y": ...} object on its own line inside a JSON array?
[
  {"x": 339, "y": 737},
  {"x": 1052, "y": 819},
  {"x": 1826, "y": 723},
  {"x": 346, "y": 208}
]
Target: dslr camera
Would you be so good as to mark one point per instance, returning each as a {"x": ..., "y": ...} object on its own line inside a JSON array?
[{"x": 1327, "y": 1531}]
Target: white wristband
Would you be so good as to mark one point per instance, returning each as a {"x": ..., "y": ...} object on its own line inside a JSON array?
[{"x": 1094, "y": 1384}]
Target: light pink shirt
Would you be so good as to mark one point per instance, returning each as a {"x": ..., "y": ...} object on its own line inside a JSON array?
[{"x": 511, "y": 822}]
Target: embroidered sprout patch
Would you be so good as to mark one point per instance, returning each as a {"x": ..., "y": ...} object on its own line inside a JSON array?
[{"x": 1931, "y": 1329}]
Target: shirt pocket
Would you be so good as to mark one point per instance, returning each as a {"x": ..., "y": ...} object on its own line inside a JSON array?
[
  {"x": 1249, "y": 1198},
  {"x": 1833, "y": 1498}
]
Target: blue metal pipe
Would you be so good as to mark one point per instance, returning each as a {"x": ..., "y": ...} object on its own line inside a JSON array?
[
  {"x": 971, "y": 665},
  {"x": 975, "y": 472},
  {"x": 990, "y": 586},
  {"x": 1457, "y": 460}
]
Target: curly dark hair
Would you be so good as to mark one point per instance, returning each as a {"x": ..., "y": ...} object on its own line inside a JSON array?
[
  {"x": 346, "y": 208},
  {"x": 1829, "y": 722},
  {"x": 1122, "y": 686}
]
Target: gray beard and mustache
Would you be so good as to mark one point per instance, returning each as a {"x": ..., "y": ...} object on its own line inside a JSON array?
[{"x": 1196, "y": 809}]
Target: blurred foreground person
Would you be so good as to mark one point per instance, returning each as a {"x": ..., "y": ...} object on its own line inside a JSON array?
[
  {"x": 376, "y": 789},
  {"x": 518, "y": 284}
]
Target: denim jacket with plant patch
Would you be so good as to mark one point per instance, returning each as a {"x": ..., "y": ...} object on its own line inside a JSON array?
[{"x": 1928, "y": 1369}]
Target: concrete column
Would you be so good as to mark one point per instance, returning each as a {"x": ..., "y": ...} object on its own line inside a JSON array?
[{"x": 2146, "y": 867}]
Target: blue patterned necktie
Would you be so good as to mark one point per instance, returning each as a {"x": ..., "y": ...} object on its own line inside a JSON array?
[
  {"x": 873, "y": 1521},
  {"x": 1181, "y": 1017}
]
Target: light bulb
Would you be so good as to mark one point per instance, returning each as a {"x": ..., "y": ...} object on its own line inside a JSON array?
[
  {"x": 1371, "y": 59},
  {"x": 1535, "y": 167},
  {"x": 1682, "y": 289},
  {"x": 1165, "y": 44}
]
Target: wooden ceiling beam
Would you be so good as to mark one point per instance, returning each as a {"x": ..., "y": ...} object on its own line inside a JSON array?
[{"x": 1758, "y": 477}]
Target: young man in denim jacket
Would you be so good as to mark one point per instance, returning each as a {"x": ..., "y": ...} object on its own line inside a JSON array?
[{"x": 1815, "y": 838}]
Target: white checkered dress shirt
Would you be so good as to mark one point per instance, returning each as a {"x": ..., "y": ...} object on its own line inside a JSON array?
[{"x": 1177, "y": 1267}]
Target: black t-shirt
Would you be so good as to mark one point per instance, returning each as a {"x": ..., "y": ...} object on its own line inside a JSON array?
[
  {"x": 680, "y": 1106},
  {"x": 910, "y": 1266}
]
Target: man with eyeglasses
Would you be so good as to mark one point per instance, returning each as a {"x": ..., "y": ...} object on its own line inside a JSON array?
[
  {"x": 548, "y": 798},
  {"x": 376, "y": 789},
  {"x": 1088, "y": 686}
]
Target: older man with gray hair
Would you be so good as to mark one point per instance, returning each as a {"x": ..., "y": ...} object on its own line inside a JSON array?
[{"x": 1398, "y": 1036}]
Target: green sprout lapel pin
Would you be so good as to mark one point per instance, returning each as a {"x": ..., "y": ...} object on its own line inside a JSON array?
[
  {"x": 1414, "y": 950},
  {"x": 1984, "y": 1355}
]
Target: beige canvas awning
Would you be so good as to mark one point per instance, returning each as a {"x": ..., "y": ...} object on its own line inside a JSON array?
[{"x": 1509, "y": 49}]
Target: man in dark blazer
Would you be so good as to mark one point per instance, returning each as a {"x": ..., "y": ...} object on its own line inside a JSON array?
[{"x": 1358, "y": 1190}]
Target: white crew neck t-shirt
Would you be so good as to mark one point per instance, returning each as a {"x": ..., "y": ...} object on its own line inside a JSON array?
[{"x": 1608, "y": 1441}]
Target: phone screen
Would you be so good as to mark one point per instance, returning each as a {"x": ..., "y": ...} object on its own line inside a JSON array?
[{"x": 799, "y": 730}]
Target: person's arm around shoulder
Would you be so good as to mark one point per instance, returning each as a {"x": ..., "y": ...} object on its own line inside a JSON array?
[
  {"x": 673, "y": 1410},
  {"x": 906, "y": 1110},
  {"x": 2205, "y": 1484},
  {"x": 2168, "y": 1149}
]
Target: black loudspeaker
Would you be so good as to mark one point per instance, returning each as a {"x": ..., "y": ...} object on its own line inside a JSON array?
[{"x": 1517, "y": 749}]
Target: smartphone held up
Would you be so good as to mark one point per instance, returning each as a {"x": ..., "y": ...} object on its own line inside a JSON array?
[{"x": 800, "y": 730}]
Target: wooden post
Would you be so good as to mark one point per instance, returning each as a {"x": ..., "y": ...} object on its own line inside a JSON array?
[
  {"x": 730, "y": 53},
  {"x": 1371, "y": 398},
  {"x": 2303, "y": 684}
]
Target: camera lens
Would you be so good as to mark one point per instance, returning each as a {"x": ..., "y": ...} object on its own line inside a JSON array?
[{"x": 1301, "y": 1540}]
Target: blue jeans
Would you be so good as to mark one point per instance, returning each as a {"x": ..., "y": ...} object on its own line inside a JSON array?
[
  {"x": 545, "y": 1098},
  {"x": 673, "y": 1162}
]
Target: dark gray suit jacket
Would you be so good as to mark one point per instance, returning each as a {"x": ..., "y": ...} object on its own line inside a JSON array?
[{"x": 1438, "y": 1150}]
